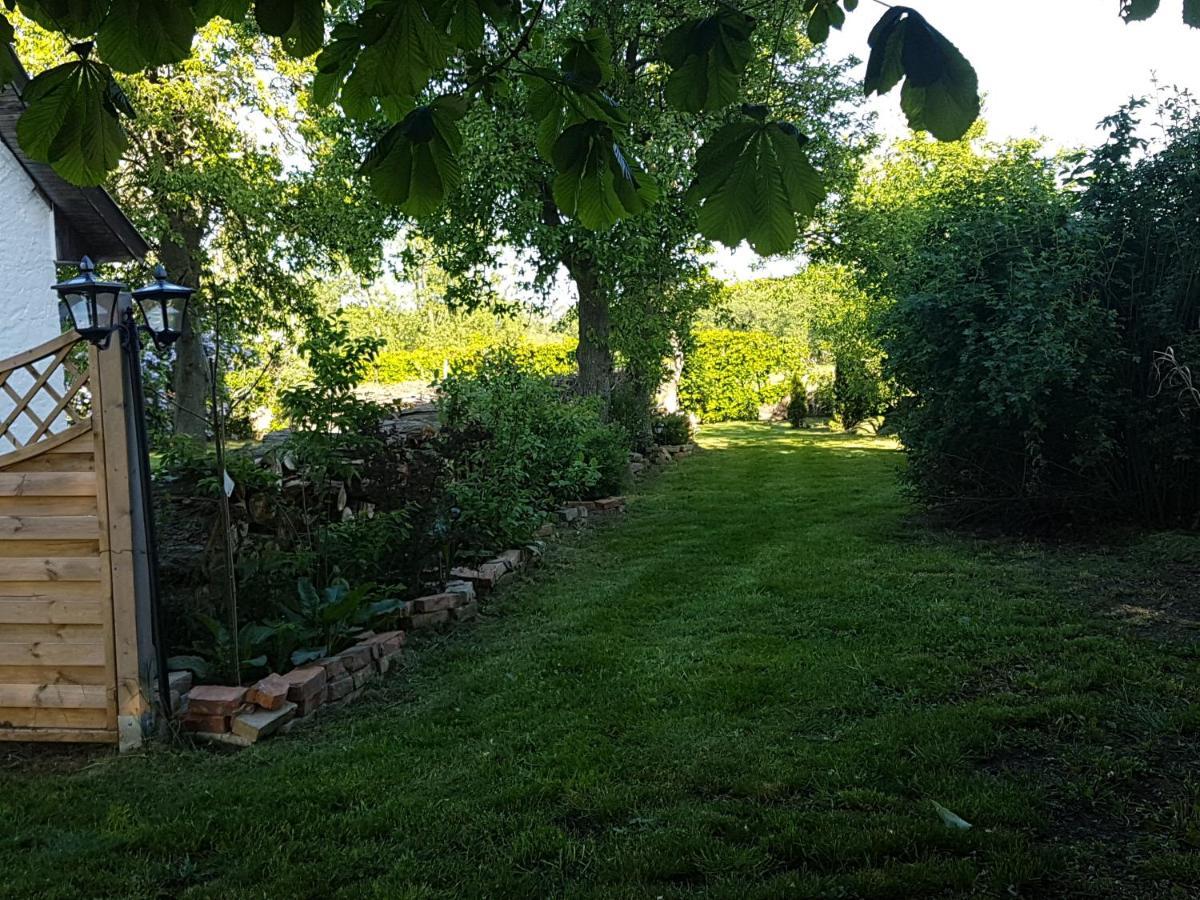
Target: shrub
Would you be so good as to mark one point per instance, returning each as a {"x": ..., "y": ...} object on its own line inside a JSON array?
[
  {"x": 857, "y": 391},
  {"x": 672, "y": 429},
  {"x": 797, "y": 410},
  {"x": 516, "y": 446}
]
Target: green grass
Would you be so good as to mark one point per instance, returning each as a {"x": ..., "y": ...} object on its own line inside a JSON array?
[{"x": 757, "y": 684}]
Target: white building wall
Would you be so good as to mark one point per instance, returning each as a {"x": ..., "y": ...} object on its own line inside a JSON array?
[{"x": 28, "y": 307}]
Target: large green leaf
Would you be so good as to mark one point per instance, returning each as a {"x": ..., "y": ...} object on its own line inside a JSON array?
[
  {"x": 556, "y": 107},
  {"x": 336, "y": 62},
  {"x": 230, "y": 10},
  {"x": 941, "y": 90},
  {"x": 404, "y": 47},
  {"x": 299, "y": 24},
  {"x": 463, "y": 21},
  {"x": 415, "y": 164},
  {"x": 587, "y": 61},
  {"x": 140, "y": 34},
  {"x": 1137, "y": 10},
  {"x": 79, "y": 18},
  {"x": 595, "y": 183},
  {"x": 8, "y": 62},
  {"x": 71, "y": 121},
  {"x": 823, "y": 15},
  {"x": 752, "y": 182},
  {"x": 707, "y": 57}
]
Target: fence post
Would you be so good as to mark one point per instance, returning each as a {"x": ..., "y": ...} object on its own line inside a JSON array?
[{"x": 119, "y": 474}]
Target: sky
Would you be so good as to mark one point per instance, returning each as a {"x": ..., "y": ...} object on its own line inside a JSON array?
[{"x": 1052, "y": 68}]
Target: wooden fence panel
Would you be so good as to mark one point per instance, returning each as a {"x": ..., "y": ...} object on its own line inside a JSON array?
[{"x": 58, "y": 659}]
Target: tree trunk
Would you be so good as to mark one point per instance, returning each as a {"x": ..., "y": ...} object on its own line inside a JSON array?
[
  {"x": 179, "y": 252},
  {"x": 595, "y": 353}
]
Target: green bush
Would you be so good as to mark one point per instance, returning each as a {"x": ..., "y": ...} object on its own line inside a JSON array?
[
  {"x": 1004, "y": 358},
  {"x": 797, "y": 410},
  {"x": 516, "y": 447},
  {"x": 858, "y": 392},
  {"x": 729, "y": 375},
  {"x": 672, "y": 429}
]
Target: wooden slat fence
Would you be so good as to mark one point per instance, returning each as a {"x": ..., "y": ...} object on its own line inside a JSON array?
[{"x": 64, "y": 509}]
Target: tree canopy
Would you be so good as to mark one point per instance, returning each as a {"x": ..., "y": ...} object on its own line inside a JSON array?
[{"x": 417, "y": 67}]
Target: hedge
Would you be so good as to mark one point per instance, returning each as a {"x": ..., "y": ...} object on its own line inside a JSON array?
[
  {"x": 429, "y": 363},
  {"x": 730, "y": 375}
]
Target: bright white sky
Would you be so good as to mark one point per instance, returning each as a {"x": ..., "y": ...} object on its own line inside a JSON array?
[{"x": 1049, "y": 67}]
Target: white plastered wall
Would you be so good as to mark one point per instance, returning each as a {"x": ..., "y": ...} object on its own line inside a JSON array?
[{"x": 28, "y": 307}]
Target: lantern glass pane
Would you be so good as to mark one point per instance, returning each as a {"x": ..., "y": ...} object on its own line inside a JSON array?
[
  {"x": 153, "y": 311},
  {"x": 106, "y": 305},
  {"x": 81, "y": 311},
  {"x": 175, "y": 310}
]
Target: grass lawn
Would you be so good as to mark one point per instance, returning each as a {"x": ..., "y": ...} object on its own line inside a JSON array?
[{"x": 757, "y": 684}]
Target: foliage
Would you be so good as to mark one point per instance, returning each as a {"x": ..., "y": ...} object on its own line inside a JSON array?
[
  {"x": 672, "y": 429},
  {"x": 729, "y": 375},
  {"x": 1144, "y": 200},
  {"x": 824, "y": 316},
  {"x": 326, "y": 621},
  {"x": 797, "y": 410},
  {"x": 418, "y": 67},
  {"x": 243, "y": 190},
  {"x": 331, "y": 424},
  {"x": 1004, "y": 358},
  {"x": 857, "y": 391},
  {"x": 516, "y": 446}
]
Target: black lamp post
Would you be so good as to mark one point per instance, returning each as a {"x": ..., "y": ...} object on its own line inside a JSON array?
[{"x": 97, "y": 310}]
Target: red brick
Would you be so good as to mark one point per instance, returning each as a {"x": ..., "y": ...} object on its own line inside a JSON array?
[
  {"x": 211, "y": 724},
  {"x": 355, "y": 658},
  {"x": 393, "y": 659},
  {"x": 337, "y": 690},
  {"x": 333, "y": 666},
  {"x": 385, "y": 643},
  {"x": 215, "y": 700},
  {"x": 269, "y": 693},
  {"x": 481, "y": 580},
  {"x": 433, "y": 603},
  {"x": 463, "y": 590},
  {"x": 610, "y": 504},
  {"x": 305, "y": 683},
  {"x": 262, "y": 723}
]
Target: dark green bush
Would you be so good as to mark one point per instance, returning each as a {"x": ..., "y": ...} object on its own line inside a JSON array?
[
  {"x": 797, "y": 410},
  {"x": 858, "y": 392},
  {"x": 1044, "y": 337},
  {"x": 672, "y": 429}
]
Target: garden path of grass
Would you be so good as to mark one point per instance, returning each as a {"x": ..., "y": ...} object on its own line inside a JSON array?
[{"x": 756, "y": 684}]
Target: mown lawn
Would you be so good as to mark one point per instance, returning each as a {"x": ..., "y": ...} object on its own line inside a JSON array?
[{"x": 757, "y": 684}]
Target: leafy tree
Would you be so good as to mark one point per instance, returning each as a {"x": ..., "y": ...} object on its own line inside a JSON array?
[
  {"x": 204, "y": 179},
  {"x": 638, "y": 283},
  {"x": 419, "y": 65}
]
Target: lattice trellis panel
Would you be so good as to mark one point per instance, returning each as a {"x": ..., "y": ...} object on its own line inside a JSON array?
[{"x": 43, "y": 392}]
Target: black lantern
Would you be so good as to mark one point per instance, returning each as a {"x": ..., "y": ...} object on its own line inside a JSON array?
[
  {"x": 91, "y": 303},
  {"x": 164, "y": 305}
]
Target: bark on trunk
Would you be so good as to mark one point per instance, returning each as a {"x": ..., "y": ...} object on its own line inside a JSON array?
[
  {"x": 594, "y": 355},
  {"x": 180, "y": 253}
]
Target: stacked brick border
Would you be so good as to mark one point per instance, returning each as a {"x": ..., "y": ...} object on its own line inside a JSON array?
[{"x": 241, "y": 716}]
